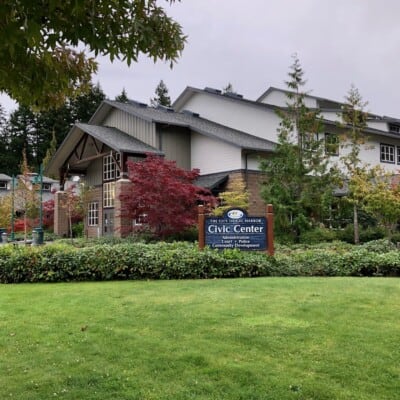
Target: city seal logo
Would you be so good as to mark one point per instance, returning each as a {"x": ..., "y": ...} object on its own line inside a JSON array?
[{"x": 235, "y": 214}]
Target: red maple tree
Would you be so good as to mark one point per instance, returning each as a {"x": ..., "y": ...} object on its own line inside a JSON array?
[{"x": 164, "y": 199}]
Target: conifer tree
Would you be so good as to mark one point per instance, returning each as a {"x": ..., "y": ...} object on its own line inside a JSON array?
[
  {"x": 122, "y": 97},
  {"x": 298, "y": 180},
  {"x": 354, "y": 120},
  {"x": 161, "y": 96}
]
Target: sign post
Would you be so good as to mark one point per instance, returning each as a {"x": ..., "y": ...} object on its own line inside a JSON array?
[{"x": 237, "y": 230}]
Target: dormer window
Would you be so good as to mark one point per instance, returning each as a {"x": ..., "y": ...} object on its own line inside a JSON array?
[{"x": 394, "y": 128}]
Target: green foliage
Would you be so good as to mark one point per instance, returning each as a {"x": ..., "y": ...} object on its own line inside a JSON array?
[
  {"x": 236, "y": 196},
  {"x": 297, "y": 174},
  {"x": 40, "y": 65},
  {"x": 134, "y": 260},
  {"x": 40, "y": 133},
  {"x": 161, "y": 96}
]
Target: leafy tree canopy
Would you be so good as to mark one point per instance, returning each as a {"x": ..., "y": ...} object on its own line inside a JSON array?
[{"x": 40, "y": 63}]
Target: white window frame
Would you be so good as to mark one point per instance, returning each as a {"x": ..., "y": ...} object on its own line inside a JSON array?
[
  {"x": 331, "y": 145},
  {"x": 93, "y": 213},
  {"x": 387, "y": 153},
  {"x": 108, "y": 194},
  {"x": 3, "y": 185},
  {"x": 111, "y": 168}
]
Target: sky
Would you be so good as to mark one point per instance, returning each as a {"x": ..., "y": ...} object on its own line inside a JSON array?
[{"x": 251, "y": 44}]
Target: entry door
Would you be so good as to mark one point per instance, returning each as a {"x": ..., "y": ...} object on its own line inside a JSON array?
[{"x": 108, "y": 222}]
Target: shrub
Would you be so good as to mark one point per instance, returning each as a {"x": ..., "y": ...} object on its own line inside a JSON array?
[{"x": 61, "y": 261}]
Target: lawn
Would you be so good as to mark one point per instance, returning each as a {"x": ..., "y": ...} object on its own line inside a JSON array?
[{"x": 261, "y": 338}]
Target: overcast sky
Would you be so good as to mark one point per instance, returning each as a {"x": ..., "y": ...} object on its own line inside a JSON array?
[{"x": 250, "y": 44}]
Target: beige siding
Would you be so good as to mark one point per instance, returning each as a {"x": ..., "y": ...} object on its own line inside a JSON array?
[
  {"x": 138, "y": 128},
  {"x": 94, "y": 173},
  {"x": 211, "y": 156},
  {"x": 175, "y": 143}
]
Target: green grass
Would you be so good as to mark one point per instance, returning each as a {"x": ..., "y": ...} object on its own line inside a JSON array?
[{"x": 265, "y": 338}]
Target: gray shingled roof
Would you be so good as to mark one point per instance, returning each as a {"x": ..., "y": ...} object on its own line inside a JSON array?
[
  {"x": 196, "y": 123},
  {"x": 4, "y": 177},
  {"x": 116, "y": 139},
  {"x": 211, "y": 181}
]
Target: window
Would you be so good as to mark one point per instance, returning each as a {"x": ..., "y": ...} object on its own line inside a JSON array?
[
  {"x": 140, "y": 220},
  {"x": 108, "y": 194},
  {"x": 331, "y": 144},
  {"x": 387, "y": 153},
  {"x": 310, "y": 141},
  {"x": 3, "y": 185},
  {"x": 394, "y": 128},
  {"x": 93, "y": 214},
  {"x": 111, "y": 169},
  {"x": 46, "y": 187}
]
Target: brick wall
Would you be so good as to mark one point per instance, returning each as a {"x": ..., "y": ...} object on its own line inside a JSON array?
[
  {"x": 122, "y": 222},
  {"x": 60, "y": 215},
  {"x": 252, "y": 180},
  {"x": 95, "y": 194}
]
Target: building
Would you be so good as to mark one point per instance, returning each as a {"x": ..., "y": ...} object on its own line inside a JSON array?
[
  {"x": 118, "y": 132},
  {"x": 221, "y": 134}
]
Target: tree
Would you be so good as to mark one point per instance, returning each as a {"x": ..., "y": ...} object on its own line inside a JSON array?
[
  {"x": 380, "y": 194},
  {"x": 41, "y": 132},
  {"x": 26, "y": 199},
  {"x": 164, "y": 197},
  {"x": 298, "y": 179},
  {"x": 236, "y": 196},
  {"x": 354, "y": 120},
  {"x": 122, "y": 97},
  {"x": 39, "y": 61},
  {"x": 161, "y": 98}
]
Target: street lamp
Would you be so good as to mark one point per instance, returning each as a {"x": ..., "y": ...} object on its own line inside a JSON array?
[
  {"x": 38, "y": 179},
  {"x": 12, "y": 208}
]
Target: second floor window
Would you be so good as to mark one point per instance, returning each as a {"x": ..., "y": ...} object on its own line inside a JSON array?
[
  {"x": 3, "y": 185},
  {"x": 331, "y": 144},
  {"x": 111, "y": 169},
  {"x": 387, "y": 153}
]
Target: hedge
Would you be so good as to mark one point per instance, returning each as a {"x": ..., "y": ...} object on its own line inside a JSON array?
[{"x": 61, "y": 262}]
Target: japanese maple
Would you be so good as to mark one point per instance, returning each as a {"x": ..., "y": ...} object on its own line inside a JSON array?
[{"x": 164, "y": 198}]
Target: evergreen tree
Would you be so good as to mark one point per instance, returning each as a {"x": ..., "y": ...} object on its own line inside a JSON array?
[
  {"x": 83, "y": 107},
  {"x": 354, "y": 121},
  {"x": 298, "y": 180},
  {"x": 161, "y": 96},
  {"x": 122, "y": 97}
]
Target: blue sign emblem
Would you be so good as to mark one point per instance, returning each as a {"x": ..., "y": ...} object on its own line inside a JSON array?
[{"x": 236, "y": 230}]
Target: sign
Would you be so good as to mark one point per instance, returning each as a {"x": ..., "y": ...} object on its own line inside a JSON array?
[{"x": 236, "y": 230}]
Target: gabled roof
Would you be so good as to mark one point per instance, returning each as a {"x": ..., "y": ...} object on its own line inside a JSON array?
[
  {"x": 194, "y": 122},
  {"x": 324, "y": 103},
  {"x": 116, "y": 139},
  {"x": 112, "y": 137},
  {"x": 191, "y": 91},
  {"x": 4, "y": 177}
]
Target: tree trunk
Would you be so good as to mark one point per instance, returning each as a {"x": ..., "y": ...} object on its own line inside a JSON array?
[{"x": 355, "y": 225}]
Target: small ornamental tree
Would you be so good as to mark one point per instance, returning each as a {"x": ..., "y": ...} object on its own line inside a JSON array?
[
  {"x": 163, "y": 199},
  {"x": 236, "y": 196}
]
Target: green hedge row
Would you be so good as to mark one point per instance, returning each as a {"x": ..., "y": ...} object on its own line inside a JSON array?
[{"x": 61, "y": 262}]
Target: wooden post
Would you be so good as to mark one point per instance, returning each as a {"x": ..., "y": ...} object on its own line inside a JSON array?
[
  {"x": 201, "y": 219},
  {"x": 270, "y": 233}
]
